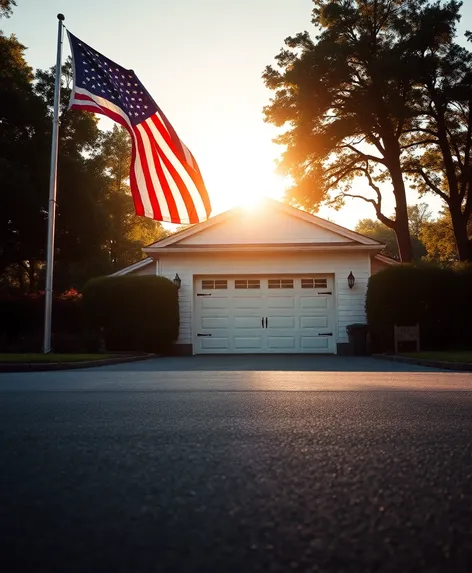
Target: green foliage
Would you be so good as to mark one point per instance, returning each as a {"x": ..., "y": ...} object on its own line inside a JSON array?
[
  {"x": 126, "y": 233},
  {"x": 380, "y": 232},
  {"x": 380, "y": 93},
  {"x": 138, "y": 313},
  {"x": 418, "y": 215},
  {"x": 24, "y": 144},
  {"x": 6, "y": 8},
  {"x": 439, "y": 299},
  {"x": 438, "y": 238},
  {"x": 22, "y": 319},
  {"x": 97, "y": 230}
]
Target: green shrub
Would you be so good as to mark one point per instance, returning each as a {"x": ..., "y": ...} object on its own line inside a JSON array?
[
  {"x": 22, "y": 320},
  {"x": 136, "y": 313},
  {"x": 438, "y": 299}
]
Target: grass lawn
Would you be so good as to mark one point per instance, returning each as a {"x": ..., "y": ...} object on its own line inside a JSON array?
[
  {"x": 445, "y": 355},
  {"x": 10, "y": 357}
]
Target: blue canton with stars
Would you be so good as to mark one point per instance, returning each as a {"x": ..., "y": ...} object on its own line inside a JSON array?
[{"x": 104, "y": 78}]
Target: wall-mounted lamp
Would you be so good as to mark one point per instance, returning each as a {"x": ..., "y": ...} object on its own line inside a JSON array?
[
  {"x": 177, "y": 281},
  {"x": 351, "y": 279}
]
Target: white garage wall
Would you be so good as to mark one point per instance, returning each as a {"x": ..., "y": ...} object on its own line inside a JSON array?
[{"x": 349, "y": 304}]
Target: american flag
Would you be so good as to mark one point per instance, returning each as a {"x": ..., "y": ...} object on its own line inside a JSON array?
[{"x": 165, "y": 180}]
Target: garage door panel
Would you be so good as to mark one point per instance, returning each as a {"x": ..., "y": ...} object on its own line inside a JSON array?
[
  {"x": 280, "y": 322},
  {"x": 281, "y": 302},
  {"x": 248, "y": 342},
  {"x": 281, "y": 342},
  {"x": 314, "y": 321},
  {"x": 214, "y": 302},
  {"x": 215, "y": 343},
  {"x": 314, "y": 343},
  {"x": 211, "y": 322},
  {"x": 247, "y": 322},
  {"x": 247, "y": 302}
]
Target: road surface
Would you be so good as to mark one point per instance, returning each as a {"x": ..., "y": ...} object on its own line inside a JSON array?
[{"x": 210, "y": 465}]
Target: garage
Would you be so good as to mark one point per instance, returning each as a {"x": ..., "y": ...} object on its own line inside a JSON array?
[
  {"x": 272, "y": 280},
  {"x": 264, "y": 314}
]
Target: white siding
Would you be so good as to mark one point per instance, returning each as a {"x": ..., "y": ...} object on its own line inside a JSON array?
[
  {"x": 250, "y": 228},
  {"x": 349, "y": 304}
]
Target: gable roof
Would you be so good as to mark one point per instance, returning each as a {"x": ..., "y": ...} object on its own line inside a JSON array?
[
  {"x": 333, "y": 233},
  {"x": 134, "y": 267}
]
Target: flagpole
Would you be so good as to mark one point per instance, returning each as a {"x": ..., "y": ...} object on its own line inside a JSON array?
[{"x": 53, "y": 191}]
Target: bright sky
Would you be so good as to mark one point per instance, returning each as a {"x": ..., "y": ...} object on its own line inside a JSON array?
[{"x": 202, "y": 62}]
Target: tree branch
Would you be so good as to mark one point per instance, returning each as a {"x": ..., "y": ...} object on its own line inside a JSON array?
[
  {"x": 380, "y": 216},
  {"x": 363, "y": 156},
  {"x": 422, "y": 142},
  {"x": 432, "y": 185}
]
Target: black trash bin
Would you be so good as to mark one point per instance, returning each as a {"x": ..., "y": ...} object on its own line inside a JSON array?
[{"x": 357, "y": 335}]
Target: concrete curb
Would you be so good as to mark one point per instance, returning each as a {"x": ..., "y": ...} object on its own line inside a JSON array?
[
  {"x": 47, "y": 366},
  {"x": 459, "y": 366}
]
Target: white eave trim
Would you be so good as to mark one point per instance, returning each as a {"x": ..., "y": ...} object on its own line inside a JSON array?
[
  {"x": 155, "y": 251},
  {"x": 133, "y": 267},
  {"x": 387, "y": 260}
]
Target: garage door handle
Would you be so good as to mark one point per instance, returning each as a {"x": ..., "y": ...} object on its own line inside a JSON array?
[
  {"x": 203, "y": 334},
  {"x": 325, "y": 334},
  {"x": 266, "y": 322},
  {"x": 262, "y": 322},
  {"x": 325, "y": 293}
]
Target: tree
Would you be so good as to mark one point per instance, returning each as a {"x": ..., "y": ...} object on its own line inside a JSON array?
[
  {"x": 352, "y": 98},
  {"x": 6, "y": 8},
  {"x": 96, "y": 228},
  {"x": 24, "y": 144},
  {"x": 438, "y": 238},
  {"x": 443, "y": 129},
  {"x": 380, "y": 232},
  {"x": 126, "y": 233},
  {"x": 80, "y": 218},
  {"x": 418, "y": 216},
  {"x": 347, "y": 96}
]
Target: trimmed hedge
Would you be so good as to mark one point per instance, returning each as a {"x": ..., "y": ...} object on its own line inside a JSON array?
[
  {"x": 138, "y": 313},
  {"x": 439, "y": 299}
]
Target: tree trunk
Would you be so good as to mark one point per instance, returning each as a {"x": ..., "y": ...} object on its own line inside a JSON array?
[
  {"x": 459, "y": 225},
  {"x": 402, "y": 230},
  {"x": 405, "y": 249}
]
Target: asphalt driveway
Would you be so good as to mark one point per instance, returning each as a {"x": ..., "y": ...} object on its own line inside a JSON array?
[
  {"x": 194, "y": 465},
  {"x": 275, "y": 362}
]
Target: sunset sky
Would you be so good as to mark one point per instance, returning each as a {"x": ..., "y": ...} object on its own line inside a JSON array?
[{"x": 202, "y": 62}]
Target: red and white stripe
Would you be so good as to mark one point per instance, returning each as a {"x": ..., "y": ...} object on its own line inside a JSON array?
[{"x": 164, "y": 178}]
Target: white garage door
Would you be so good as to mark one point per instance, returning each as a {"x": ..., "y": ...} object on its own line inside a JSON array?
[{"x": 244, "y": 315}]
